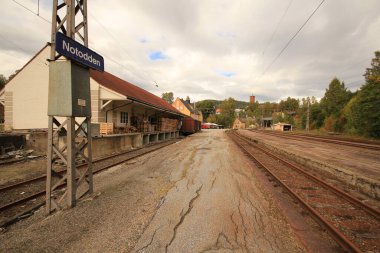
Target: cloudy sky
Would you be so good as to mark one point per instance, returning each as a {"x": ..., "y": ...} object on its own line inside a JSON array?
[{"x": 212, "y": 49}]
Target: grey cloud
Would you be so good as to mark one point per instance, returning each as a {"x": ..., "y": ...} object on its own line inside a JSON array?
[{"x": 203, "y": 37}]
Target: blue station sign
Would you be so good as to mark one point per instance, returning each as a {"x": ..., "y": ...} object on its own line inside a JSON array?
[{"x": 77, "y": 52}]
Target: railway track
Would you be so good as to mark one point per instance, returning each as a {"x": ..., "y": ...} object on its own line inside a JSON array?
[
  {"x": 346, "y": 142},
  {"x": 354, "y": 225},
  {"x": 21, "y": 199}
]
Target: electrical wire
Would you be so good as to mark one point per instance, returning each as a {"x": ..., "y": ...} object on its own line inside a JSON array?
[
  {"x": 278, "y": 26},
  {"x": 273, "y": 35},
  {"x": 112, "y": 36},
  {"x": 37, "y": 14},
  {"x": 292, "y": 38}
]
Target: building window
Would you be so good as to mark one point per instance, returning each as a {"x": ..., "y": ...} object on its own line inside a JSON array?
[{"x": 124, "y": 117}]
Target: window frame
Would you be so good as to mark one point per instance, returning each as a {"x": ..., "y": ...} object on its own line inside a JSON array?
[{"x": 123, "y": 117}]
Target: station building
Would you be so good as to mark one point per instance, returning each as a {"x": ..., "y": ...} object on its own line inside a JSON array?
[
  {"x": 121, "y": 112},
  {"x": 193, "y": 122},
  {"x": 186, "y": 108}
]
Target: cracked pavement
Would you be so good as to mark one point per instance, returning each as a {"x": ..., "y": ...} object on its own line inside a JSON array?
[
  {"x": 216, "y": 205},
  {"x": 198, "y": 195}
]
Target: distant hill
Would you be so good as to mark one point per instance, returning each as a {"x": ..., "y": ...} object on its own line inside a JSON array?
[{"x": 216, "y": 103}]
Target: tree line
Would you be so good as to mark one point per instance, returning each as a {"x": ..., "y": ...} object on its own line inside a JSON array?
[{"x": 339, "y": 110}]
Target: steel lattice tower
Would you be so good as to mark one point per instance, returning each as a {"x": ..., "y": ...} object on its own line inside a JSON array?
[{"x": 70, "y": 18}]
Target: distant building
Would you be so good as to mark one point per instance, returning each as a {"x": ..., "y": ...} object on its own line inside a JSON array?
[
  {"x": 239, "y": 123},
  {"x": 267, "y": 122},
  {"x": 218, "y": 111},
  {"x": 251, "y": 100},
  {"x": 185, "y": 107},
  {"x": 282, "y": 127}
]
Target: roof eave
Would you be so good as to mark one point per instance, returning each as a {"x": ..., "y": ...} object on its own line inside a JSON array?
[{"x": 156, "y": 107}]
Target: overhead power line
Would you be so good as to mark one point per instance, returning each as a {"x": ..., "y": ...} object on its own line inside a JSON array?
[
  {"x": 278, "y": 26},
  {"x": 292, "y": 38},
  {"x": 111, "y": 35},
  {"x": 273, "y": 35},
  {"x": 35, "y": 13}
]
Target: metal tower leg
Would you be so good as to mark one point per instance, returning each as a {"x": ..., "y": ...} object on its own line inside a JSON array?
[
  {"x": 71, "y": 155},
  {"x": 78, "y": 145}
]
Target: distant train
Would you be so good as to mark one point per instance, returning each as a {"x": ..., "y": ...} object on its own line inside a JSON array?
[
  {"x": 211, "y": 126},
  {"x": 190, "y": 126}
]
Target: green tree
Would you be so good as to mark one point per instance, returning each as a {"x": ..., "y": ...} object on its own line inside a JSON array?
[
  {"x": 289, "y": 105},
  {"x": 268, "y": 109},
  {"x": 317, "y": 115},
  {"x": 254, "y": 110},
  {"x": 3, "y": 80},
  {"x": 227, "y": 115},
  {"x": 207, "y": 107},
  {"x": 211, "y": 118},
  {"x": 351, "y": 117},
  {"x": 14, "y": 74},
  {"x": 168, "y": 97},
  {"x": 363, "y": 112},
  {"x": 335, "y": 98}
]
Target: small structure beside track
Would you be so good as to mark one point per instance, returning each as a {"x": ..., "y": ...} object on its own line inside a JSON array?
[{"x": 283, "y": 127}]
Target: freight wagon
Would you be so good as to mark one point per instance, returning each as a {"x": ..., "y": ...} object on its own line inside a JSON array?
[{"x": 190, "y": 126}]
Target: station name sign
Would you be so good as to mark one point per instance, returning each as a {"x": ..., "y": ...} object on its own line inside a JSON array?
[{"x": 77, "y": 52}]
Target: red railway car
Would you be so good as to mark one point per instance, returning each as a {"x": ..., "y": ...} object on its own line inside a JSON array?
[{"x": 190, "y": 126}]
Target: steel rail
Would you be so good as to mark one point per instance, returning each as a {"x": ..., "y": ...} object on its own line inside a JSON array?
[
  {"x": 329, "y": 140},
  {"x": 340, "y": 238},
  {"x": 370, "y": 210},
  {"x": 36, "y": 195},
  {"x": 43, "y": 177}
]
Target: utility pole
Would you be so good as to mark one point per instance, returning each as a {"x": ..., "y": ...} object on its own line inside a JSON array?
[
  {"x": 69, "y": 138},
  {"x": 308, "y": 116}
]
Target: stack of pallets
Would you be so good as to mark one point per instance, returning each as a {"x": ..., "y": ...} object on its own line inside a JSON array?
[
  {"x": 167, "y": 125},
  {"x": 106, "y": 128}
]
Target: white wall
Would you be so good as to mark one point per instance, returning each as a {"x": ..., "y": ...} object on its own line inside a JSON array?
[
  {"x": 28, "y": 96},
  {"x": 30, "y": 92}
]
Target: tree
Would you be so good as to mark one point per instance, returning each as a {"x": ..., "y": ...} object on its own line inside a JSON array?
[
  {"x": 289, "y": 105},
  {"x": 211, "y": 118},
  {"x": 351, "y": 117},
  {"x": 3, "y": 80},
  {"x": 207, "y": 107},
  {"x": 336, "y": 97},
  {"x": 253, "y": 110},
  {"x": 13, "y": 75},
  {"x": 227, "y": 116},
  {"x": 168, "y": 97},
  {"x": 363, "y": 114},
  {"x": 317, "y": 115}
]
